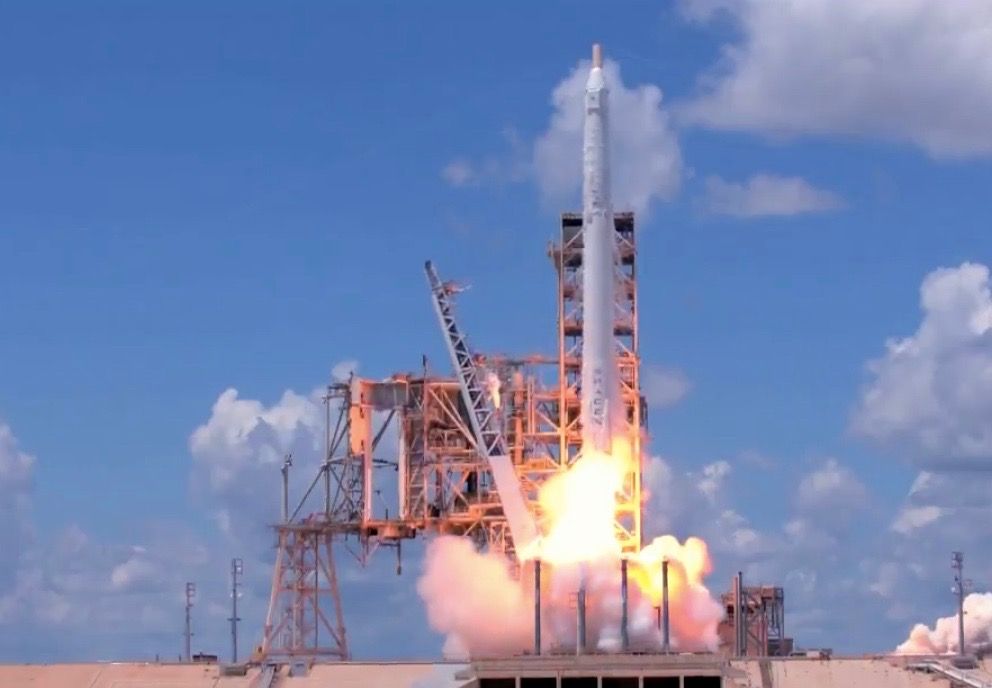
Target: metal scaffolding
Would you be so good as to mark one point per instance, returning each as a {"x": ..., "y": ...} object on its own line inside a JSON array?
[
  {"x": 567, "y": 257},
  {"x": 754, "y": 624},
  {"x": 401, "y": 458}
]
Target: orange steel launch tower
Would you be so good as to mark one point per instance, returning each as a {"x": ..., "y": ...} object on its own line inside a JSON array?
[{"x": 401, "y": 459}]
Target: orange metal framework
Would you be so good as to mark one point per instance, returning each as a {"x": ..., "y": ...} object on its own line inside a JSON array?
[
  {"x": 568, "y": 260},
  {"x": 410, "y": 435}
]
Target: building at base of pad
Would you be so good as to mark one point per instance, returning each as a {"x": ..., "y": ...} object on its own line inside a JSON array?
[{"x": 594, "y": 671}]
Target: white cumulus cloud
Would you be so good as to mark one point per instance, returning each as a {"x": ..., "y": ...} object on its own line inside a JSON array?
[
  {"x": 915, "y": 71},
  {"x": 16, "y": 472},
  {"x": 238, "y": 451},
  {"x": 664, "y": 386},
  {"x": 646, "y": 161},
  {"x": 930, "y": 395},
  {"x": 831, "y": 489},
  {"x": 913, "y": 518},
  {"x": 458, "y": 172},
  {"x": 764, "y": 195}
]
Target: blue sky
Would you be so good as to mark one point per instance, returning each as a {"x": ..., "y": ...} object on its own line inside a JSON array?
[{"x": 193, "y": 199}]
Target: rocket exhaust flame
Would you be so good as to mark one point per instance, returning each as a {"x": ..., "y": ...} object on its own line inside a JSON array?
[{"x": 579, "y": 551}]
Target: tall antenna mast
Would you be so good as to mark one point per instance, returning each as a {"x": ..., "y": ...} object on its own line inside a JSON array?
[
  {"x": 190, "y": 594},
  {"x": 237, "y": 568},
  {"x": 961, "y": 585}
]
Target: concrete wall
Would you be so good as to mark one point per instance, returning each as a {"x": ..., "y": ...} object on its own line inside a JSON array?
[
  {"x": 831, "y": 673},
  {"x": 351, "y": 675},
  {"x": 774, "y": 673}
]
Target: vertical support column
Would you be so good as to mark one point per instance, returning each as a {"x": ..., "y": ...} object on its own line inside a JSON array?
[
  {"x": 237, "y": 568},
  {"x": 327, "y": 454},
  {"x": 740, "y": 615},
  {"x": 190, "y": 594},
  {"x": 402, "y": 467},
  {"x": 580, "y": 613},
  {"x": 537, "y": 606},
  {"x": 957, "y": 563},
  {"x": 665, "y": 636},
  {"x": 624, "y": 635},
  {"x": 286, "y": 463}
]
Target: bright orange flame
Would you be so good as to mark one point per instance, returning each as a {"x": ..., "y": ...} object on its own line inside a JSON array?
[
  {"x": 688, "y": 564},
  {"x": 580, "y": 508}
]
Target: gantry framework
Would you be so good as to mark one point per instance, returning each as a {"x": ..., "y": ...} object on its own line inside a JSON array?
[
  {"x": 754, "y": 623},
  {"x": 401, "y": 458}
]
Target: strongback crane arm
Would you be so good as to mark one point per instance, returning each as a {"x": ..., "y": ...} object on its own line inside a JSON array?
[{"x": 482, "y": 416}]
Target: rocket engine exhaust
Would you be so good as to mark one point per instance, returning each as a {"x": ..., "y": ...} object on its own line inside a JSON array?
[{"x": 581, "y": 569}]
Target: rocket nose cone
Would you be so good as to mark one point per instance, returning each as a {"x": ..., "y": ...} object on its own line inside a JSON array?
[{"x": 596, "y": 79}]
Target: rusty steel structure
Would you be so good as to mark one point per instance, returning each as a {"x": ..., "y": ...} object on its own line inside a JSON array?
[
  {"x": 754, "y": 624},
  {"x": 401, "y": 459}
]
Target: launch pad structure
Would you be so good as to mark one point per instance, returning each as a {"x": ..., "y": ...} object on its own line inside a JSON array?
[{"x": 434, "y": 463}]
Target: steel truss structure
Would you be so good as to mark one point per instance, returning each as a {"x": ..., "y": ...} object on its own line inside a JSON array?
[
  {"x": 411, "y": 437},
  {"x": 754, "y": 624}
]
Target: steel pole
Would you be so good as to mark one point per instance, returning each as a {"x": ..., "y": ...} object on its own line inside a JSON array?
[
  {"x": 957, "y": 559},
  {"x": 190, "y": 592},
  {"x": 624, "y": 636},
  {"x": 236, "y": 570},
  {"x": 537, "y": 606},
  {"x": 665, "y": 636}
]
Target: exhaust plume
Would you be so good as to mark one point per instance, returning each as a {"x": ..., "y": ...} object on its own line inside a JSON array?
[
  {"x": 473, "y": 599},
  {"x": 943, "y": 637}
]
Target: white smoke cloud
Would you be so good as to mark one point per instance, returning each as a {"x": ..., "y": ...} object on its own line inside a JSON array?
[
  {"x": 475, "y": 601},
  {"x": 943, "y": 637},
  {"x": 930, "y": 395},
  {"x": 766, "y": 195},
  {"x": 646, "y": 160},
  {"x": 913, "y": 71},
  {"x": 472, "y": 598}
]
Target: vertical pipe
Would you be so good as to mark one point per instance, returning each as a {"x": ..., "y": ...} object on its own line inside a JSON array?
[
  {"x": 624, "y": 637},
  {"x": 580, "y": 613},
  {"x": 740, "y": 615},
  {"x": 580, "y": 627},
  {"x": 961, "y": 620},
  {"x": 188, "y": 657},
  {"x": 327, "y": 455},
  {"x": 957, "y": 563},
  {"x": 236, "y": 569},
  {"x": 665, "y": 635},
  {"x": 286, "y": 463},
  {"x": 537, "y": 606},
  {"x": 401, "y": 482},
  {"x": 190, "y": 592}
]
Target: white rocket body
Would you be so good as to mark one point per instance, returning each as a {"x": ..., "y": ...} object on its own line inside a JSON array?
[{"x": 600, "y": 387}]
